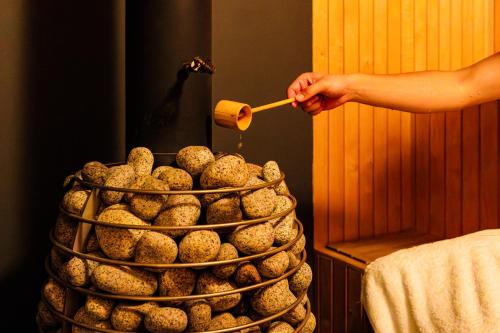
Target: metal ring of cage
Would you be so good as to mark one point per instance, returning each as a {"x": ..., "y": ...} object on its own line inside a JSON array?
[
  {"x": 299, "y": 299},
  {"x": 284, "y": 247},
  {"x": 188, "y": 227},
  {"x": 86, "y": 291}
]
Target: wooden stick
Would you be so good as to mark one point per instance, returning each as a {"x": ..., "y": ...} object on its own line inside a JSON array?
[{"x": 273, "y": 105}]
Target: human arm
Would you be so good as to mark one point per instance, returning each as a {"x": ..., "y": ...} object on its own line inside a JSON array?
[{"x": 418, "y": 92}]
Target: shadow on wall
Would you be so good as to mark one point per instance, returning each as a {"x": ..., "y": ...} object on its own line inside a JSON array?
[{"x": 67, "y": 83}]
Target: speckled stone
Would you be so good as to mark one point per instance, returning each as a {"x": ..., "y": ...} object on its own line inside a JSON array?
[
  {"x": 222, "y": 321},
  {"x": 283, "y": 227},
  {"x": 177, "y": 179},
  {"x": 298, "y": 247},
  {"x": 180, "y": 210},
  {"x": 136, "y": 184},
  {"x": 225, "y": 210},
  {"x": 273, "y": 266},
  {"x": 310, "y": 324},
  {"x": 99, "y": 308},
  {"x": 254, "y": 170},
  {"x": 148, "y": 206},
  {"x": 142, "y": 160},
  {"x": 118, "y": 243},
  {"x": 118, "y": 206},
  {"x": 177, "y": 282},
  {"x": 123, "y": 280},
  {"x": 280, "y": 327},
  {"x": 45, "y": 318},
  {"x": 247, "y": 274},
  {"x": 119, "y": 176},
  {"x": 199, "y": 315},
  {"x": 244, "y": 320},
  {"x": 57, "y": 259},
  {"x": 76, "y": 272},
  {"x": 304, "y": 300},
  {"x": 272, "y": 299},
  {"x": 271, "y": 171},
  {"x": 253, "y": 239},
  {"x": 227, "y": 171},
  {"x": 226, "y": 252},
  {"x": 83, "y": 317},
  {"x": 209, "y": 198},
  {"x": 258, "y": 203},
  {"x": 199, "y": 246},
  {"x": 301, "y": 279},
  {"x": 242, "y": 308},
  {"x": 92, "y": 243},
  {"x": 74, "y": 200},
  {"x": 208, "y": 283},
  {"x": 293, "y": 260},
  {"x": 155, "y": 248},
  {"x": 54, "y": 294},
  {"x": 158, "y": 170},
  {"x": 125, "y": 319},
  {"x": 65, "y": 230},
  {"x": 166, "y": 320},
  {"x": 95, "y": 172},
  {"x": 128, "y": 317},
  {"x": 194, "y": 159},
  {"x": 296, "y": 315}
]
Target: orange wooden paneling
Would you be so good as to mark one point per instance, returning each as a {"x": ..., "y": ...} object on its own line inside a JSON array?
[{"x": 378, "y": 170}]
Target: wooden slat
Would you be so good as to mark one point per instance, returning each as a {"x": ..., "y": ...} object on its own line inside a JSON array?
[
  {"x": 325, "y": 309},
  {"x": 380, "y": 122},
  {"x": 354, "y": 308},
  {"x": 394, "y": 120},
  {"x": 320, "y": 128},
  {"x": 407, "y": 129},
  {"x": 453, "y": 214},
  {"x": 351, "y": 125},
  {"x": 422, "y": 132},
  {"x": 366, "y": 40},
  {"x": 336, "y": 126},
  {"x": 339, "y": 296}
]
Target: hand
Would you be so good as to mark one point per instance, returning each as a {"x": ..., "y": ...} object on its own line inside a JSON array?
[{"x": 316, "y": 92}]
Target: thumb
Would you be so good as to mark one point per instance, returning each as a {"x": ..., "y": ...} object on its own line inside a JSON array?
[{"x": 311, "y": 91}]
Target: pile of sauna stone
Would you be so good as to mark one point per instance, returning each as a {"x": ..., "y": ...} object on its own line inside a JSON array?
[{"x": 195, "y": 167}]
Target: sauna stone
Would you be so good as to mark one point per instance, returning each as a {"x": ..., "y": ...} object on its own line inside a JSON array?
[
  {"x": 180, "y": 211},
  {"x": 99, "y": 308},
  {"x": 209, "y": 283},
  {"x": 177, "y": 282},
  {"x": 296, "y": 315},
  {"x": 194, "y": 159},
  {"x": 258, "y": 203},
  {"x": 95, "y": 172},
  {"x": 273, "y": 266},
  {"x": 270, "y": 172},
  {"x": 118, "y": 243},
  {"x": 177, "y": 179},
  {"x": 280, "y": 327},
  {"x": 119, "y": 176},
  {"x": 155, "y": 248},
  {"x": 166, "y": 320},
  {"x": 148, "y": 206},
  {"x": 272, "y": 299},
  {"x": 310, "y": 324},
  {"x": 301, "y": 279},
  {"x": 226, "y": 252},
  {"x": 225, "y": 210},
  {"x": 254, "y": 170},
  {"x": 54, "y": 294},
  {"x": 141, "y": 159},
  {"x": 199, "y": 316},
  {"x": 199, "y": 246},
  {"x": 253, "y": 239},
  {"x": 121, "y": 280},
  {"x": 222, "y": 321},
  {"x": 83, "y": 317},
  {"x": 247, "y": 274},
  {"x": 74, "y": 200},
  {"x": 243, "y": 320},
  {"x": 227, "y": 171},
  {"x": 65, "y": 230}
]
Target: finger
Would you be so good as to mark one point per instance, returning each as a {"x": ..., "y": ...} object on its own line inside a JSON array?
[
  {"x": 312, "y": 108},
  {"x": 311, "y": 101},
  {"x": 310, "y": 91},
  {"x": 315, "y": 113}
]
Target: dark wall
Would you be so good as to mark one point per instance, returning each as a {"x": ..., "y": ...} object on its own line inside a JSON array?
[
  {"x": 62, "y": 92},
  {"x": 259, "y": 47},
  {"x": 167, "y": 109}
]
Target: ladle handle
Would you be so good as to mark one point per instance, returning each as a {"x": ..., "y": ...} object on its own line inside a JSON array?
[{"x": 273, "y": 105}]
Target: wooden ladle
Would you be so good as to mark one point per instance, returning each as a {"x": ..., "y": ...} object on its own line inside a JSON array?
[{"x": 238, "y": 116}]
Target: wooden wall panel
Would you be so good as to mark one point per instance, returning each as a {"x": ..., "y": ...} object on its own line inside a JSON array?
[{"x": 377, "y": 170}]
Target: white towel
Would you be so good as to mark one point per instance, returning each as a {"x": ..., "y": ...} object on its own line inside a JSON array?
[{"x": 447, "y": 286}]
